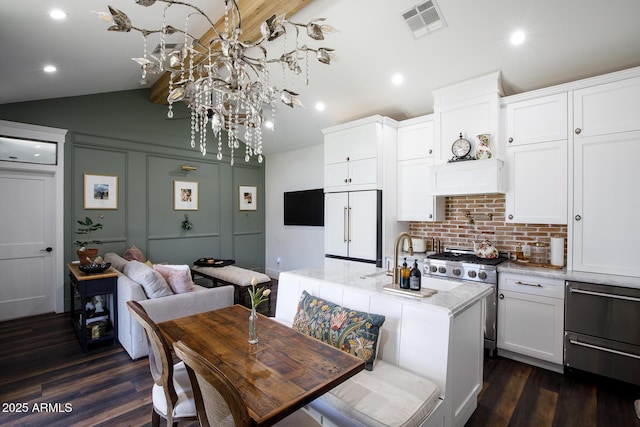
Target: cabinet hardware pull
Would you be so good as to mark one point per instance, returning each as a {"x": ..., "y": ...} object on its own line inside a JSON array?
[
  {"x": 510, "y": 216},
  {"x": 578, "y": 217},
  {"x": 608, "y": 350},
  {"x": 344, "y": 224},
  {"x": 430, "y": 216},
  {"x": 578, "y": 130},
  {"x": 501, "y": 296},
  {"x": 535, "y": 285},
  {"x": 604, "y": 295},
  {"x": 510, "y": 140},
  {"x": 430, "y": 151},
  {"x": 349, "y": 223},
  {"x": 345, "y": 180}
]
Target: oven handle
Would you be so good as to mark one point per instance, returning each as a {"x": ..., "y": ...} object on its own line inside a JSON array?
[
  {"x": 609, "y": 350},
  {"x": 535, "y": 285},
  {"x": 602, "y": 294}
]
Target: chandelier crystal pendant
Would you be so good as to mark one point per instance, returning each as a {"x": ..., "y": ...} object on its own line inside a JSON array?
[{"x": 225, "y": 80}]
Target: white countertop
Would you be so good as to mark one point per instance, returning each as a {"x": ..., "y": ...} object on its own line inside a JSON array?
[
  {"x": 452, "y": 296},
  {"x": 578, "y": 276}
]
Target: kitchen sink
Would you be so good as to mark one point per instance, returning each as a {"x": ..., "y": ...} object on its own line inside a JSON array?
[{"x": 440, "y": 284}]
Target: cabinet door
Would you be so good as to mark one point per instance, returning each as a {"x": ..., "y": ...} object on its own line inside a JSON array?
[
  {"x": 359, "y": 142},
  {"x": 413, "y": 202},
  {"x": 336, "y": 210},
  {"x": 363, "y": 224},
  {"x": 363, "y": 172},
  {"x": 607, "y": 108},
  {"x": 606, "y": 204},
  {"x": 537, "y": 120},
  {"x": 336, "y": 176},
  {"x": 531, "y": 325},
  {"x": 537, "y": 189},
  {"x": 415, "y": 141}
]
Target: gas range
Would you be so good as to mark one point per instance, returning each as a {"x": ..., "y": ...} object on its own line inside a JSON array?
[{"x": 463, "y": 264}]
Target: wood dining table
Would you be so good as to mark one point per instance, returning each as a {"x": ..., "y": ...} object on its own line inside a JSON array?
[{"x": 277, "y": 376}]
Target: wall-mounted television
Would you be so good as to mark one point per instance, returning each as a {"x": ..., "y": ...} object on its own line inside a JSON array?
[{"x": 305, "y": 207}]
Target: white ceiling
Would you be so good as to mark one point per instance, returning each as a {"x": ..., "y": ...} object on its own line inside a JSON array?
[{"x": 566, "y": 40}]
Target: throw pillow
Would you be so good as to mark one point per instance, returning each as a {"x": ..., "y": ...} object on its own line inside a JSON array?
[
  {"x": 151, "y": 281},
  {"x": 133, "y": 253},
  {"x": 355, "y": 332},
  {"x": 177, "y": 276}
]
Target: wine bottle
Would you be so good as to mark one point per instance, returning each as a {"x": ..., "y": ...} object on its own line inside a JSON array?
[
  {"x": 415, "y": 277},
  {"x": 404, "y": 275}
]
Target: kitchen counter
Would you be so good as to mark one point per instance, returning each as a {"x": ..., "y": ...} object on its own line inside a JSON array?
[
  {"x": 452, "y": 296},
  {"x": 564, "y": 274}
]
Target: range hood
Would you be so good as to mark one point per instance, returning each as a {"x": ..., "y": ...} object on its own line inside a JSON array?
[{"x": 467, "y": 177}]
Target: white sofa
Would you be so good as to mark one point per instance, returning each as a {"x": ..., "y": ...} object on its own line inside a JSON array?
[
  {"x": 130, "y": 333},
  {"x": 428, "y": 370}
]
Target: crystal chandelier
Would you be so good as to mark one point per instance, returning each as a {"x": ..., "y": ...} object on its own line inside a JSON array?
[{"x": 225, "y": 81}]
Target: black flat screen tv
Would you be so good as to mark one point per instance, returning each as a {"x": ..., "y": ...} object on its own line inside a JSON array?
[{"x": 304, "y": 207}]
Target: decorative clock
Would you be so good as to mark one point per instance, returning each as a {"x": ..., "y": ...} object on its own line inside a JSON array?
[{"x": 461, "y": 149}]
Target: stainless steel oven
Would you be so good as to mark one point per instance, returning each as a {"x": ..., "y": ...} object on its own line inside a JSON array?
[
  {"x": 602, "y": 330},
  {"x": 463, "y": 264}
]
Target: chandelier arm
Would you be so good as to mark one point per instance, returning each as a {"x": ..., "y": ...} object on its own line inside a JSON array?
[{"x": 197, "y": 9}]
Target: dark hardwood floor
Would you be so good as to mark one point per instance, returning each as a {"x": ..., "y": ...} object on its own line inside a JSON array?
[{"x": 46, "y": 381}]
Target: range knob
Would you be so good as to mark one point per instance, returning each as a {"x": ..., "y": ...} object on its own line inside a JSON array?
[
  {"x": 456, "y": 272},
  {"x": 434, "y": 269},
  {"x": 483, "y": 275},
  {"x": 472, "y": 274},
  {"x": 442, "y": 270}
]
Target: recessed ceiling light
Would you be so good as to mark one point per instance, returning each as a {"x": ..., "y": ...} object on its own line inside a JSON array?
[
  {"x": 58, "y": 14},
  {"x": 517, "y": 37},
  {"x": 320, "y": 106},
  {"x": 397, "y": 79},
  {"x": 268, "y": 124},
  {"x": 49, "y": 69}
]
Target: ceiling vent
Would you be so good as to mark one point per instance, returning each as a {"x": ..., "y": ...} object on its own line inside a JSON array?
[{"x": 424, "y": 19}]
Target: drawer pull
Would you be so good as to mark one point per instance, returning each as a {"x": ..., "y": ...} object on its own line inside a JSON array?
[
  {"x": 608, "y": 350},
  {"x": 602, "y": 294},
  {"x": 535, "y": 285}
]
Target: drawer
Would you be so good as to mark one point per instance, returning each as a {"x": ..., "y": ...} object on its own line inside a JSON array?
[{"x": 533, "y": 285}]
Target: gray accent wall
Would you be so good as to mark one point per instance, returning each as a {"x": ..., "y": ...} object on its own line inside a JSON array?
[{"x": 123, "y": 134}]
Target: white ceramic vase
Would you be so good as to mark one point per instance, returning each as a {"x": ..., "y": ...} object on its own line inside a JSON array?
[{"x": 484, "y": 150}]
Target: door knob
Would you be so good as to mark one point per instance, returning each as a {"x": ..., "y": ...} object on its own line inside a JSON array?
[
  {"x": 49, "y": 249},
  {"x": 501, "y": 296}
]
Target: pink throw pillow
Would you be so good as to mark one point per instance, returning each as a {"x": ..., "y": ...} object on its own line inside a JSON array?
[
  {"x": 178, "y": 277},
  {"x": 133, "y": 253}
]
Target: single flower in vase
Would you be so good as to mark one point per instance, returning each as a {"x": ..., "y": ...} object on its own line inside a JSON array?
[{"x": 258, "y": 296}]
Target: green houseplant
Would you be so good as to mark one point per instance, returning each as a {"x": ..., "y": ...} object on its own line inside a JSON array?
[{"x": 85, "y": 254}]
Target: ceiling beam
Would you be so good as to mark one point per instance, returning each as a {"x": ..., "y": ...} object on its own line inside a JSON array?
[{"x": 254, "y": 13}]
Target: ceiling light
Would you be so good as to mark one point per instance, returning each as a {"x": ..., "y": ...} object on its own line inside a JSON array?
[
  {"x": 224, "y": 79},
  {"x": 49, "y": 69},
  {"x": 58, "y": 14},
  {"x": 268, "y": 124},
  {"x": 517, "y": 37},
  {"x": 320, "y": 106},
  {"x": 397, "y": 79}
]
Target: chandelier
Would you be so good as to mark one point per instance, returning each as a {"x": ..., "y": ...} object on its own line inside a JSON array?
[{"x": 225, "y": 81}]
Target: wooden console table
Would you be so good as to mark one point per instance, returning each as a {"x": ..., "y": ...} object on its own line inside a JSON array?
[{"x": 87, "y": 286}]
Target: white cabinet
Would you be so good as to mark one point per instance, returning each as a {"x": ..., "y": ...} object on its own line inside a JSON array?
[
  {"x": 536, "y": 158},
  {"x": 606, "y": 149},
  {"x": 531, "y": 319},
  {"x": 352, "y": 222},
  {"x": 415, "y": 155},
  {"x": 354, "y": 154}
]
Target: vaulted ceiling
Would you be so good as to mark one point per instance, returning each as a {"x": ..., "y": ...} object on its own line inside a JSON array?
[{"x": 565, "y": 40}]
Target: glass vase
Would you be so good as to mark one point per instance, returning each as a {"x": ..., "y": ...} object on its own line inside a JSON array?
[{"x": 253, "y": 327}]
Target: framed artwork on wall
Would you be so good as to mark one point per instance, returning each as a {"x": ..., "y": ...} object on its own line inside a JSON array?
[
  {"x": 100, "y": 191},
  {"x": 185, "y": 195},
  {"x": 248, "y": 197}
]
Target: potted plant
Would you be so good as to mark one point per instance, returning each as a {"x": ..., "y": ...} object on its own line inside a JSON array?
[{"x": 85, "y": 254}]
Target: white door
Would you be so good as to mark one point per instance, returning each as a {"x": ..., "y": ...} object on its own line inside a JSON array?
[
  {"x": 28, "y": 278},
  {"x": 336, "y": 211},
  {"x": 363, "y": 224}
]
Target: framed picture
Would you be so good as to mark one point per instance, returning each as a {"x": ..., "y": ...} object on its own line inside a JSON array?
[
  {"x": 185, "y": 196},
  {"x": 248, "y": 197},
  {"x": 100, "y": 191}
]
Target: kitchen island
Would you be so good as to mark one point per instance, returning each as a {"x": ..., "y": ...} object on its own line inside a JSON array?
[{"x": 438, "y": 337}]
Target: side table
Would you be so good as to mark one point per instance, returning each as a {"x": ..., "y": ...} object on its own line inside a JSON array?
[{"x": 86, "y": 287}]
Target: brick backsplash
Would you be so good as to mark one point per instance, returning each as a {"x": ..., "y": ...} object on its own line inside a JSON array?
[{"x": 458, "y": 231}]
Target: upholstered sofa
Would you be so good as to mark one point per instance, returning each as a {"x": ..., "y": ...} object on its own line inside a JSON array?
[{"x": 170, "y": 306}]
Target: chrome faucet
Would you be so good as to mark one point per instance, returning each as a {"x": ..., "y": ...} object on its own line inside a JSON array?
[{"x": 396, "y": 269}]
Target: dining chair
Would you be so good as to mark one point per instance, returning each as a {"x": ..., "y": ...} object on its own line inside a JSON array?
[
  {"x": 172, "y": 394},
  {"x": 218, "y": 401}
]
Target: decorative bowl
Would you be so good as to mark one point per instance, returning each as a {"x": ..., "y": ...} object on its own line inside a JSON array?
[{"x": 94, "y": 268}]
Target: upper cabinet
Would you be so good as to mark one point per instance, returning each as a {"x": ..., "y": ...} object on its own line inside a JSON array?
[
  {"x": 606, "y": 149},
  {"x": 353, "y": 154},
  {"x": 536, "y": 160},
  {"x": 415, "y": 155}
]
